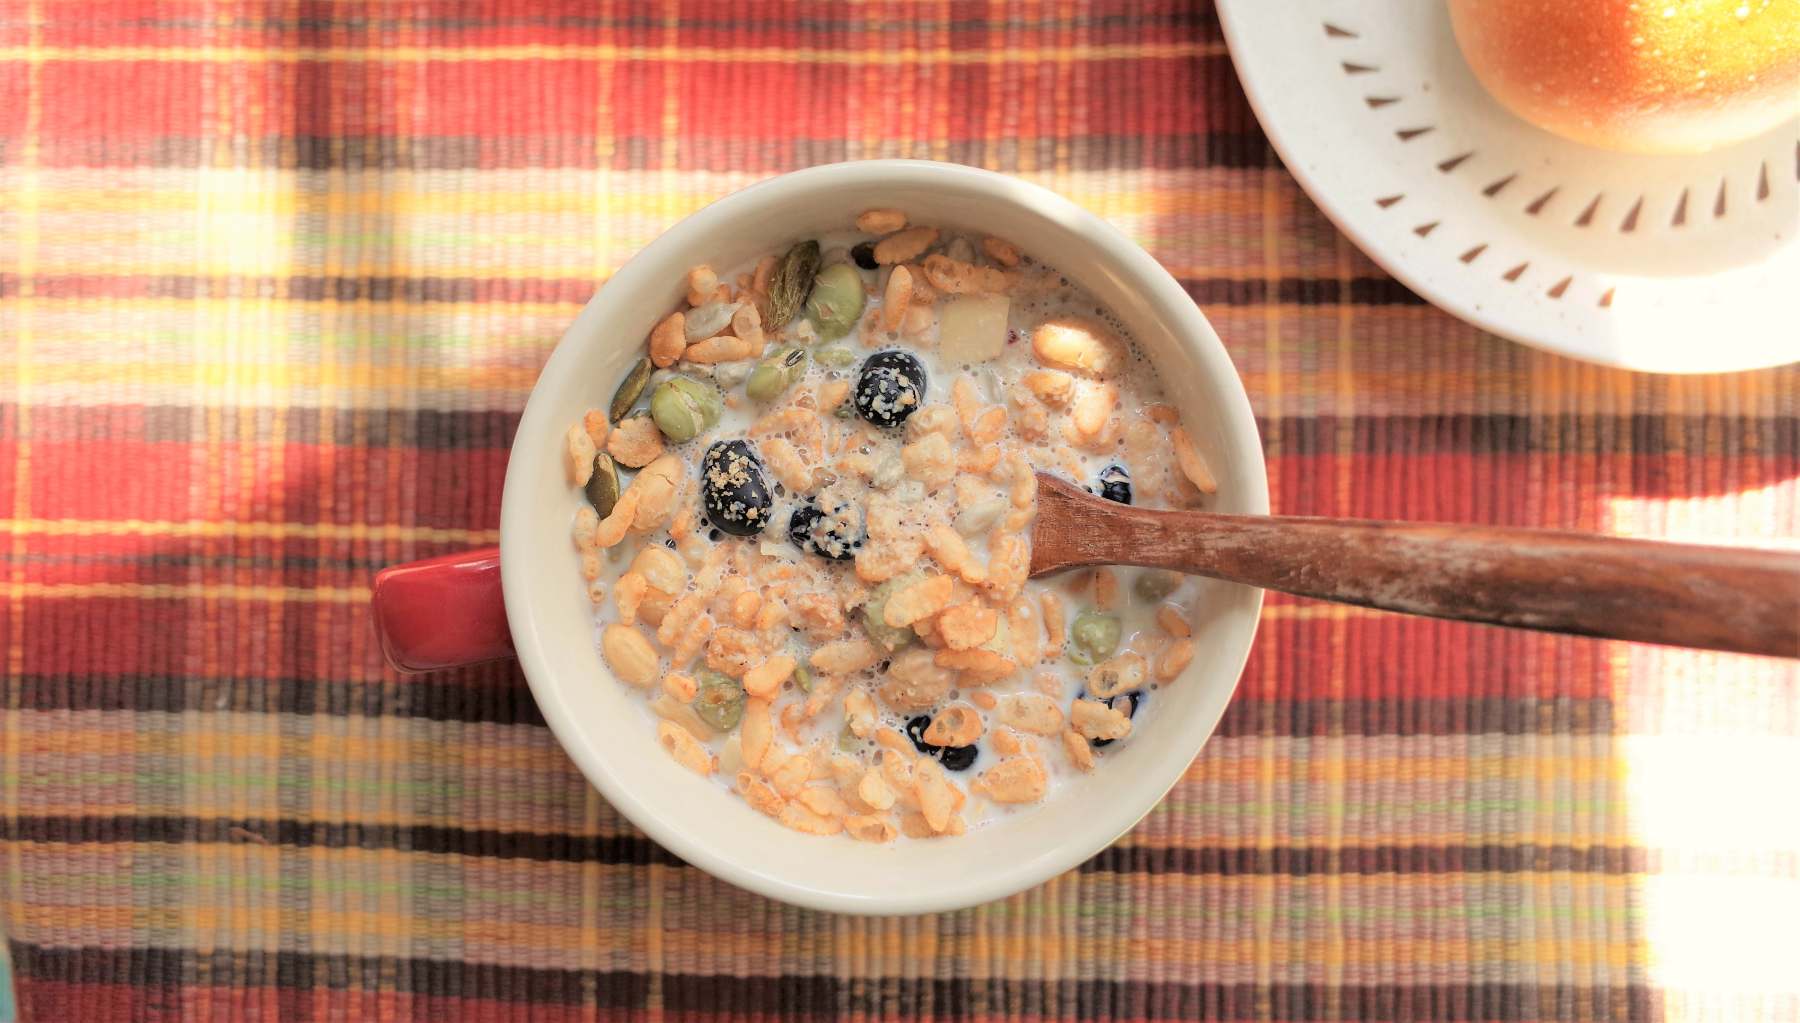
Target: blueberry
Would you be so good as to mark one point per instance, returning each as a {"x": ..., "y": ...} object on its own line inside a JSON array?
[
  {"x": 1115, "y": 483},
  {"x": 959, "y": 758},
  {"x": 955, "y": 758},
  {"x": 889, "y": 387},
  {"x": 864, "y": 256},
  {"x": 733, "y": 490},
  {"x": 915, "y": 730},
  {"x": 835, "y": 536},
  {"x": 1135, "y": 697}
]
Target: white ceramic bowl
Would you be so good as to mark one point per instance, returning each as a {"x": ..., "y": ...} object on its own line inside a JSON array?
[{"x": 603, "y": 726}]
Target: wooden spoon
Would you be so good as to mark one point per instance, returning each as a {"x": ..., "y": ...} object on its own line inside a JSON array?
[{"x": 1717, "y": 598}]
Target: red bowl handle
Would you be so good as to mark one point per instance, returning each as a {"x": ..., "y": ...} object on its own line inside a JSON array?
[{"x": 442, "y": 612}]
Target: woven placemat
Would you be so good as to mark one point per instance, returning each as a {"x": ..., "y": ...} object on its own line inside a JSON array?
[{"x": 275, "y": 280}]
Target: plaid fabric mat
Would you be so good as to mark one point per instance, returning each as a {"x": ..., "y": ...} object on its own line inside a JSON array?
[{"x": 275, "y": 280}]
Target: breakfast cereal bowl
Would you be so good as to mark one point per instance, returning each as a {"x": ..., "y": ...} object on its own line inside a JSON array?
[{"x": 602, "y": 723}]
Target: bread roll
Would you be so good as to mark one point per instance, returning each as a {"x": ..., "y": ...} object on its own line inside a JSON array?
[{"x": 1648, "y": 76}]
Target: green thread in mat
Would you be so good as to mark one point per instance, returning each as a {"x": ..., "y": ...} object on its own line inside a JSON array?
[{"x": 8, "y": 1009}]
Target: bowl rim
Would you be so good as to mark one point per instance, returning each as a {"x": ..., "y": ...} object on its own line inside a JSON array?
[{"x": 1176, "y": 308}]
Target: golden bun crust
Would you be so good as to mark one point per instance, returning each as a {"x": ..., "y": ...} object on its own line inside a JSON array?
[{"x": 1650, "y": 76}]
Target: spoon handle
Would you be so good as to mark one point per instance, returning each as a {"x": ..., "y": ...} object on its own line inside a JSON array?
[{"x": 1718, "y": 598}]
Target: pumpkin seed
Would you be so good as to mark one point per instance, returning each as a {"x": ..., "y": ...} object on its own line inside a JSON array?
[
  {"x": 803, "y": 677},
  {"x": 883, "y": 635},
  {"x": 720, "y": 701},
  {"x": 836, "y": 302},
  {"x": 776, "y": 374},
  {"x": 630, "y": 390},
  {"x": 730, "y": 374},
  {"x": 1095, "y": 635},
  {"x": 791, "y": 284},
  {"x": 603, "y": 486},
  {"x": 836, "y": 358},
  {"x": 1153, "y": 584},
  {"x": 684, "y": 408}
]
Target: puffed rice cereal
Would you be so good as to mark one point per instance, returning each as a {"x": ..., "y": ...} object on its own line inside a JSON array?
[{"x": 814, "y": 564}]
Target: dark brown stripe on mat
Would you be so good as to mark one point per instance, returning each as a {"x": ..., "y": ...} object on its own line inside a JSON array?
[
  {"x": 1369, "y": 716},
  {"x": 304, "y": 288},
  {"x": 635, "y": 850},
  {"x": 424, "y": 429},
  {"x": 813, "y": 22},
  {"x": 497, "y": 694},
  {"x": 704, "y": 995},
  {"x": 1304, "y": 861},
  {"x": 494, "y": 694},
  {"x": 1770, "y": 437},
  {"x": 622, "y": 850},
  {"x": 291, "y": 566},
  {"x": 1243, "y": 150},
  {"x": 1359, "y": 291},
  {"x": 573, "y": 291}
]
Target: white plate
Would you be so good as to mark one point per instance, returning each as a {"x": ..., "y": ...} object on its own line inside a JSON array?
[{"x": 1673, "y": 264}]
